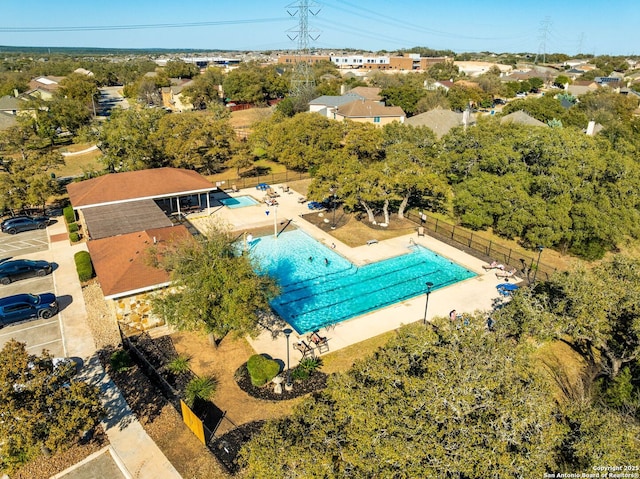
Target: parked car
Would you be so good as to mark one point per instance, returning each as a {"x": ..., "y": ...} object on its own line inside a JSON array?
[
  {"x": 25, "y": 306},
  {"x": 14, "y": 270},
  {"x": 24, "y": 223}
]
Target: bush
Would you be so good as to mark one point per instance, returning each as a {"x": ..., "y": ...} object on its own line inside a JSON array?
[
  {"x": 261, "y": 369},
  {"x": 83, "y": 264},
  {"x": 73, "y": 227},
  {"x": 69, "y": 214},
  {"x": 179, "y": 365},
  {"x": 199, "y": 389},
  {"x": 74, "y": 237},
  {"x": 305, "y": 369},
  {"x": 120, "y": 360}
]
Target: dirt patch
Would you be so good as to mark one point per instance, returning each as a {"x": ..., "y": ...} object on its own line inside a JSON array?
[
  {"x": 222, "y": 362},
  {"x": 355, "y": 230},
  {"x": 163, "y": 423}
]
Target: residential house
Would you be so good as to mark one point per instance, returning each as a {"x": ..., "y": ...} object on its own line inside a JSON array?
[
  {"x": 367, "y": 111},
  {"x": 44, "y": 87},
  {"x": 521, "y": 118},
  {"x": 326, "y": 105},
  {"x": 366, "y": 92},
  {"x": 172, "y": 97},
  {"x": 445, "y": 85},
  {"x": 441, "y": 121},
  {"x": 581, "y": 87}
]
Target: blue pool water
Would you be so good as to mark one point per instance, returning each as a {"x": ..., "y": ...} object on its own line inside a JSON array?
[
  {"x": 316, "y": 293},
  {"x": 239, "y": 201}
]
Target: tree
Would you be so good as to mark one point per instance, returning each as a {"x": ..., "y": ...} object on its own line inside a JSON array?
[
  {"x": 214, "y": 288},
  {"x": 444, "y": 71},
  {"x": 127, "y": 140},
  {"x": 594, "y": 310},
  {"x": 196, "y": 141},
  {"x": 25, "y": 177},
  {"x": 180, "y": 69},
  {"x": 42, "y": 408},
  {"x": 204, "y": 90},
  {"x": 465, "y": 401}
]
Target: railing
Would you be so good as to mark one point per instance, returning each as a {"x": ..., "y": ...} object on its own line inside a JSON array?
[{"x": 481, "y": 247}]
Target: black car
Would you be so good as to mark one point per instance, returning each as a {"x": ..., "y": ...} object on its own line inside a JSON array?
[
  {"x": 24, "y": 223},
  {"x": 23, "y": 268},
  {"x": 24, "y": 306}
]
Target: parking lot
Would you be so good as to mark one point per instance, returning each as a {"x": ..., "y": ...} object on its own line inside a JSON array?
[{"x": 38, "y": 334}]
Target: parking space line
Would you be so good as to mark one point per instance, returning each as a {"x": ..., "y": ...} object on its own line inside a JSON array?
[
  {"x": 39, "y": 346},
  {"x": 30, "y": 327}
]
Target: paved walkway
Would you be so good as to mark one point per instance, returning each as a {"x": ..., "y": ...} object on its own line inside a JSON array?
[
  {"x": 475, "y": 294},
  {"x": 129, "y": 442}
]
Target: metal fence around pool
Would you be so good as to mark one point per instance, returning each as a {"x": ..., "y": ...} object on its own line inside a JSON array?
[
  {"x": 271, "y": 178},
  {"x": 475, "y": 244}
]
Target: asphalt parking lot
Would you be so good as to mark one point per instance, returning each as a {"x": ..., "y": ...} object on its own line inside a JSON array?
[{"x": 38, "y": 334}]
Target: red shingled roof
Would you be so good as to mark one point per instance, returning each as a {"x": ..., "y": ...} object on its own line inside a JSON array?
[
  {"x": 121, "y": 262},
  {"x": 134, "y": 185}
]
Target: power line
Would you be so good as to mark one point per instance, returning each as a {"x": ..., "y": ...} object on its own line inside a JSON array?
[{"x": 137, "y": 27}]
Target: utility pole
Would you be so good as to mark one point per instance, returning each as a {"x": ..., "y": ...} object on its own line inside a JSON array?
[{"x": 302, "y": 80}]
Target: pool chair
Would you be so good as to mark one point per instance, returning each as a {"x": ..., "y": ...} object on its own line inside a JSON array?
[
  {"x": 314, "y": 205},
  {"x": 304, "y": 348},
  {"x": 506, "y": 274},
  {"x": 301, "y": 199},
  {"x": 322, "y": 343},
  {"x": 234, "y": 188}
]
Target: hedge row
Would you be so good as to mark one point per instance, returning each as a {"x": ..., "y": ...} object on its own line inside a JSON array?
[
  {"x": 84, "y": 267},
  {"x": 69, "y": 214}
]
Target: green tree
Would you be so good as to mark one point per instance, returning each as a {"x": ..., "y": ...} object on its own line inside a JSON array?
[
  {"x": 127, "y": 140},
  {"x": 204, "y": 90},
  {"x": 435, "y": 402},
  {"x": 25, "y": 177},
  {"x": 444, "y": 71},
  {"x": 180, "y": 69},
  {"x": 594, "y": 310},
  {"x": 43, "y": 408},
  {"x": 195, "y": 141},
  {"x": 214, "y": 289}
]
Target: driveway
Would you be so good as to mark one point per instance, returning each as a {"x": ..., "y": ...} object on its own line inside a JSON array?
[
  {"x": 38, "y": 334},
  {"x": 110, "y": 98}
]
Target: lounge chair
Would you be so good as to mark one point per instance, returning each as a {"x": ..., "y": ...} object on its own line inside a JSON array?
[
  {"x": 493, "y": 265},
  {"x": 420, "y": 230},
  {"x": 372, "y": 241},
  {"x": 304, "y": 348},
  {"x": 322, "y": 343},
  {"x": 234, "y": 188},
  {"x": 506, "y": 274},
  {"x": 301, "y": 199}
]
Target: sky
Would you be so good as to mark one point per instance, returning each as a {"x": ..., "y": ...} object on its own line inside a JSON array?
[{"x": 544, "y": 26}]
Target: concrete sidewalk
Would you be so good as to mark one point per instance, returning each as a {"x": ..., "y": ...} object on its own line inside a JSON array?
[{"x": 138, "y": 453}]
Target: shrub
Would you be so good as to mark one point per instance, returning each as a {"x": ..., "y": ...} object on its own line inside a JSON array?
[
  {"x": 305, "y": 369},
  {"x": 69, "y": 214},
  {"x": 179, "y": 365},
  {"x": 199, "y": 389},
  {"x": 73, "y": 227},
  {"x": 261, "y": 369},
  {"x": 83, "y": 265},
  {"x": 120, "y": 360},
  {"x": 74, "y": 237}
]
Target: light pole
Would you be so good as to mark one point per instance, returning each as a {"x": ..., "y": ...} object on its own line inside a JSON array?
[
  {"x": 287, "y": 332},
  {"x": 429, "y": 286},
  {"x": 535, "y": 273},
  {"x": 275, "y": 221}
]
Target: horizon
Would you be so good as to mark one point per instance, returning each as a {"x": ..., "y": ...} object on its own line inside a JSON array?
[{"x": 463, "y": 26}]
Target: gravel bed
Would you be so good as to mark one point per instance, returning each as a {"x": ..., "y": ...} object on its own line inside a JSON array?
[{"x": 100, "y": 319}]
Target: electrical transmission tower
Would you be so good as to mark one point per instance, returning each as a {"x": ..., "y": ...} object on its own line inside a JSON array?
[
  {"x": 544, "y": 31},
  {"x": 302, "y": 80}
]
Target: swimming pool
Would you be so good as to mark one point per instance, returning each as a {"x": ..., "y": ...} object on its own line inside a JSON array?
[
  {"x": 320, "y": 287},
  {"x": 239, "y": 201}
]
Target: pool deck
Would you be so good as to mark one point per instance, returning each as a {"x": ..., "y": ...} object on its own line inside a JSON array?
[{"x": 468, "y": 296}]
